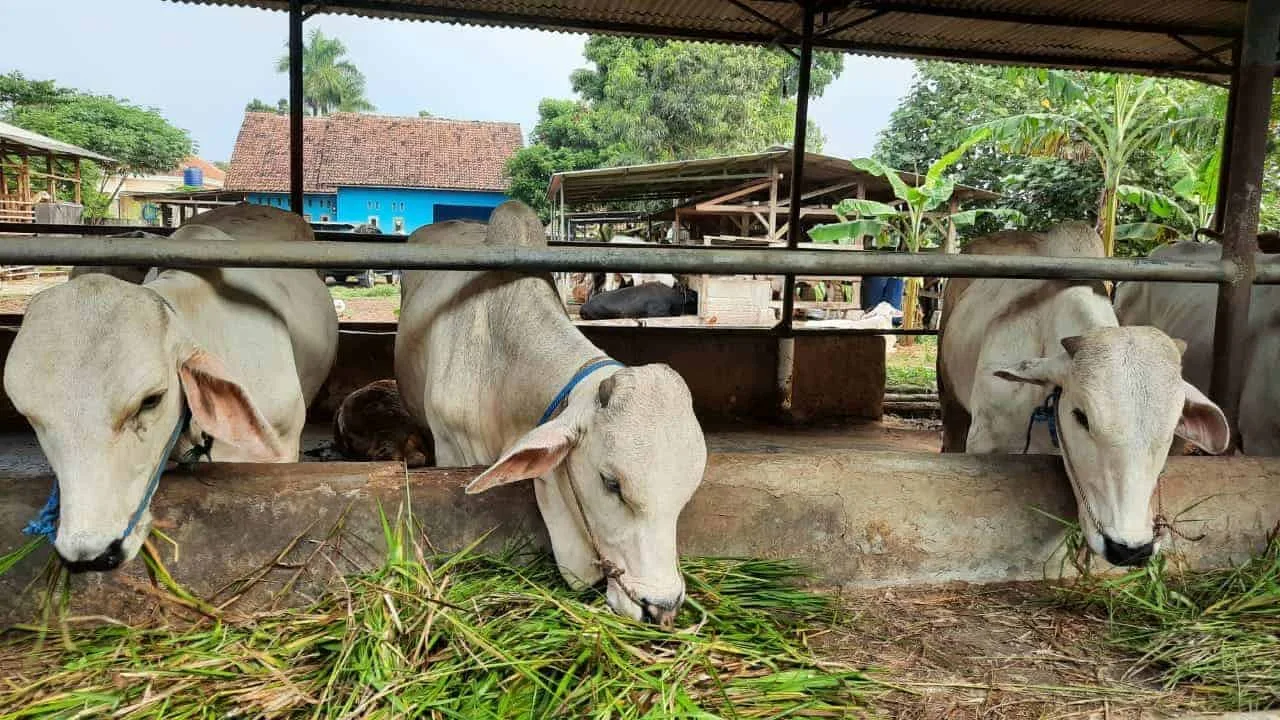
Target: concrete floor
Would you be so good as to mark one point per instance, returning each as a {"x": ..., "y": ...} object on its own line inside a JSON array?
[{"x": 20, "y": 454}]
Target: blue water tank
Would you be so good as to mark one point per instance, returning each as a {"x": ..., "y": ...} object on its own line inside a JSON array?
[{"x": 192, "y": 177}]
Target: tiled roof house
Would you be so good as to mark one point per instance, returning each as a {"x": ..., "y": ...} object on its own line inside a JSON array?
[{"x": 398, "y": 173}]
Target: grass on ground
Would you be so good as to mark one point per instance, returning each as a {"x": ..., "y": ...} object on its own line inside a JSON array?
[
  {"x": 377, "y": 291},
  {"x": 913, "y": 365}
]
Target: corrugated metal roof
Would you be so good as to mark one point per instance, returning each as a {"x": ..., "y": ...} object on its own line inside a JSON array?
[
  {"x": 685, "y": 179},
  {"x": 18, "y": 136},
  {"x": 1154, "y": 36}
]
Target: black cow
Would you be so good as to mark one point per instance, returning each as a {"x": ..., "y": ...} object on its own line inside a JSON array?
[{"x": 641, "y": 301}]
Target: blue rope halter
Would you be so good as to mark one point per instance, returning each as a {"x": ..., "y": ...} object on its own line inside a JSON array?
[
  {"x": 578, "y": 377},
  {"x": 1046, "y": 412},
  {"x": 45, "y": 523}
]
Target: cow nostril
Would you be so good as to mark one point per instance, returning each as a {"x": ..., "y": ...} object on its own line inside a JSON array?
[
  {"x": 1127, "y": 555},
  {"x": 110, "y": 559},
  {"x": 659, "y": 613}
]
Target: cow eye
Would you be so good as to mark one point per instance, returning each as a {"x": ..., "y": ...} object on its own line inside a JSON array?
[
  {"x": 1081, "y": 418},
  {"x": 151, "y": 402},
  {"x": 612, "y": 485}
]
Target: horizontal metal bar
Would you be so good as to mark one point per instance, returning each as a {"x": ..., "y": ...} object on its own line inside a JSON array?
[{"x": 47, "y": 250}]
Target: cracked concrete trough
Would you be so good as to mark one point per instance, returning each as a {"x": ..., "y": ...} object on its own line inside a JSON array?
[{"x": 854, "y": 517}]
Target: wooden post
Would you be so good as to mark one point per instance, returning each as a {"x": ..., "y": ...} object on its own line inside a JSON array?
[
  {"x": 773, "y": 202},
  {"x": 78, "y": 196},
  {"x": 949, "y": 244},
  {"x": 53, "y": 184},
  {"x": 1251, "y": 90}
]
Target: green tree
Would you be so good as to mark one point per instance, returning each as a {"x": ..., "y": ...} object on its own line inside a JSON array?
[
  {"x": 645, "y": 100},
  {"x": 280, "y": 108},
  {"x": 1108, "y": 118},
  {"x": 944, "y": 101},
  {"x": 329, "y": 82},
  {"x": 1270, "y": 219},
  {"x": 139, "y": 138}
]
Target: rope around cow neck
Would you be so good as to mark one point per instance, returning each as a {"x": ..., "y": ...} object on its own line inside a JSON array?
[
  {"x": 609, "y": 569},
  {"x": 45, "y": 524}
]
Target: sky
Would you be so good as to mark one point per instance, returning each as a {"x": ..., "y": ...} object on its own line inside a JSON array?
[{"x": 199, "y": 65}]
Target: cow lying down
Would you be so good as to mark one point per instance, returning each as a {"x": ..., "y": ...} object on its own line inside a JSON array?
[
  {"x": 492, "y": 365},
  {"x": 371, "y": 424},
  {"x": 652, "y": 299},
  {"x": 116, "y": 377},
  {"x": 1111, "y": 398},
  {"x": 1187, "y": 311}
]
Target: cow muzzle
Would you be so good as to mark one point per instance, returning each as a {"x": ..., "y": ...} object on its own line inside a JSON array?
[
  {"x": 108, "y": 559},
  {"x": 1124, "y": 555}
]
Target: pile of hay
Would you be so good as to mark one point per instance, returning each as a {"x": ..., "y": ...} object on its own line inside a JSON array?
[
  {"x": 1214, "y": 632},
  {"x": 466, "y": 636}
]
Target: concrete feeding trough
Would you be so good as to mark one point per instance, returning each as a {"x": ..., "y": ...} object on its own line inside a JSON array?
[{"x": 854, "y": 518}]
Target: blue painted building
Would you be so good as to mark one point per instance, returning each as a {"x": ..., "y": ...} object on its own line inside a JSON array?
[{"x": 396, "y": 173}]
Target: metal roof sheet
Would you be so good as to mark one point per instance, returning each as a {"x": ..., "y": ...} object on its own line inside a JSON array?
[
  {"x": 18, "y": 136},
  {"x": 1174, "y": 37}
]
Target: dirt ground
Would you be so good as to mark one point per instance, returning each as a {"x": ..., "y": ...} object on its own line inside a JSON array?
[
  {"x": 970, "y": 652},
  {"x": 15, "y": 294},
  {"x": 374, "y": 309}
]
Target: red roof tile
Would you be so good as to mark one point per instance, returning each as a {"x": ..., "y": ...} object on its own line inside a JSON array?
[
  {"x": 211, "y": 171},
  {"x": 354, "y": 149}
]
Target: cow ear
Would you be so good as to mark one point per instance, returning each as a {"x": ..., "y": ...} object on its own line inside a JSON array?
[
  {"x": 1072, "y": 344},
  {"x": 1202, "y": 423},
  {"x": 533, "y": 456},
  {"x": 224, "y": 410},
  {"x": 1048, "y": 371}
]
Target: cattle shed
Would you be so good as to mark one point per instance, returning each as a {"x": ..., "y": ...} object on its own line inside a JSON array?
[
  {"x": 735, "y": 197},
  {"x": 1230, "y": 42},
  {"x": 857, "y": 514}
]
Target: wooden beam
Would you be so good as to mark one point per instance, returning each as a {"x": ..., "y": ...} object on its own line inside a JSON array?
[
  {"x": 734, "y": 195},
  {"x": 78, "y": 196},
  {"x": 749, "y": 209},
  {"x": 53, "y": 178},
  {"x": 823, "y": 191}
]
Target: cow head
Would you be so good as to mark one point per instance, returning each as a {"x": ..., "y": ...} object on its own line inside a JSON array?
[
  {"x": 1123, "y": 400},
  {"x": 616, "y": 468},
  {"x": 102, "y": 369}
]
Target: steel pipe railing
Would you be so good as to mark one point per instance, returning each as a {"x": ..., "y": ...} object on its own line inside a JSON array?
[{"x": 62, "y": 250}]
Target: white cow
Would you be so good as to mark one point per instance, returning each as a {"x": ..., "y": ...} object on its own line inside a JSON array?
[
  {"x": 1187, "y": 311},
  {"x": 107, "y": 370},
  {"x": 483, "y": 358},
  {"x": 1008, "y": 344}
]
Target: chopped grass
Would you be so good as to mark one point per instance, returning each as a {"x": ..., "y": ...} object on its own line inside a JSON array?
[
  {"x": 466, "y": 636},
  {"x": 377, "y": 291},
  {"x": 1216, "y": 632}
]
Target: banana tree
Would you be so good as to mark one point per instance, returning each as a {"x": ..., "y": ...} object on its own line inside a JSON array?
[
  {"x": 912, "y": 222},
  {"x": 1191, "y": 206},
  {"x": 1110, "y": 118}
]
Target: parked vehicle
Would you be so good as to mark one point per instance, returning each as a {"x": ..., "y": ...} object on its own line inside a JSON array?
[{"x": 362, "y": 232}]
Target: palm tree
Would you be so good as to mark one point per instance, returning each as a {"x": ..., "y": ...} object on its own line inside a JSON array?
[
  {"x": 329, "y": 83},
  {"x": 1110, "y": 118}
]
